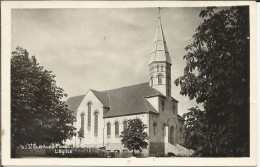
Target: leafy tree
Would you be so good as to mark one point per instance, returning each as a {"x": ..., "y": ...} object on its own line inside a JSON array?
[
  {"x": 80, "y": 135},
  {"x": 38, "y": 115},
  {"x": 217, "y": 76},
  {"x": 133, "y": 137}
]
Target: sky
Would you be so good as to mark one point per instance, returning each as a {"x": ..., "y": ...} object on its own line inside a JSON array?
[{"x": 103, "y": 49}]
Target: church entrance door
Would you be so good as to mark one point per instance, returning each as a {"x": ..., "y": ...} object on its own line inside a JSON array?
[{"x": 172, "y": 134}]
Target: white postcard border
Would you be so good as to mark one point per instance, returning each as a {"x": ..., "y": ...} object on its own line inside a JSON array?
[{"x": 6, "y": 7}]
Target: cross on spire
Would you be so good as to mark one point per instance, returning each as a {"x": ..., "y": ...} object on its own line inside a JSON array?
[{"x": 159, "y": 12}]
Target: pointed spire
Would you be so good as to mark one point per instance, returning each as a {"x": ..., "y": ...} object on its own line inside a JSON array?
[
  {"x": 159, "y": 18},
  {"x": 159, "y": 50},
  {"x": 159, "y": 15}
]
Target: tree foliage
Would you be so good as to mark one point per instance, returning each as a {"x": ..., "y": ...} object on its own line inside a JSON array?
[
  {"x": 217, "y": 76},
  {"x": 133, "y": 137},
  {"x": 38, "y": 114},
  {"x": 81, "y": 133}
]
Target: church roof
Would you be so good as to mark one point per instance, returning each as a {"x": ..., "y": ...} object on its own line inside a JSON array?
[
  {"x": 103, "y": 97},
  {"x": 73, "y": 103},
  {"x": 128, "y": 100},
  {"x": 122, "y": 101},
  {"x": 180, "y": 118},
  {"x": 159, "y": 50}
]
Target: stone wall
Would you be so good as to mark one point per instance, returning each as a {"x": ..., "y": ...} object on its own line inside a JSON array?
[{"x": 157, "y": 148}]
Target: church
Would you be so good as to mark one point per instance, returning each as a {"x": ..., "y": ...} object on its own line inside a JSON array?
[{"x": 103, "y": 115}]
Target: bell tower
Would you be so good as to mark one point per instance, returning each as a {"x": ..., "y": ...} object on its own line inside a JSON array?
[{"x": 160, "y": 62}]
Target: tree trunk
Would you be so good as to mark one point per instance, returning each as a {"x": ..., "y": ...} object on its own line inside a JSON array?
[{"x": 133, "y": 152}]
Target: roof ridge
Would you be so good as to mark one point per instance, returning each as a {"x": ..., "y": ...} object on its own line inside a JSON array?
[
  {"x": 95, "y": 90},
  {"x": 76, "y": 96},
  {"x": 124, "y": 87},
  {"x": 102, "y": 97}
]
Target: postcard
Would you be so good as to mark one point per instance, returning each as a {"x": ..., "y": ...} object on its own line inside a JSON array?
[{"x": 127, "y": 83}]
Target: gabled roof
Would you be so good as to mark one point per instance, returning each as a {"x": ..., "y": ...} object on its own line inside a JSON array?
[
  {"x": 73, "y": 103},
  {"x": 180, "y": 118},
  {"x": 129, "y": 100},
  {"x": 102, "y": 97},
  {"x": 122, "y": 101},
  {"x": 150, "y": 107}
]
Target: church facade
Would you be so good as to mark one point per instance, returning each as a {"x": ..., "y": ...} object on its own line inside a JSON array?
[{"x": 103, "y": 115}]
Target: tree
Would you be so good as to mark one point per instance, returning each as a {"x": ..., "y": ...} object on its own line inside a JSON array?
[
  {"x": 133, "y": 137},
  {"x": 38, "y": 114},
  {"x": 217, "y": 76},
  {"x": 80, "y": 135}
]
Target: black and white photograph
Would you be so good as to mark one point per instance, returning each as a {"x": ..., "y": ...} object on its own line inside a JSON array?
[{"x": 158, "y": 82}]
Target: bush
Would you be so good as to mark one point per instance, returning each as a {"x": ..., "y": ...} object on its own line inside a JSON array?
[{"x": 170, "y": 154}]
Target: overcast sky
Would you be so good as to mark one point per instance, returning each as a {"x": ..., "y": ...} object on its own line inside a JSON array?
[{"x": 103, "y": 49}]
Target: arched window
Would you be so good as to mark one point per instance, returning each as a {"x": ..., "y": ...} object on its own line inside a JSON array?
[
  {"x": 96, "y": 123},
  {"x": 117, "y": 129},
  {"x": 154, "y": 128},
  {"x": 163, "y": 105},
  {"x": 125, "y": 125},
  {"x": 82, "y": 121},
  {"x": 159, "y": 79},
  {"x": 108, "y": 130},
  {"x": 158, "y": 68},
  {"x": 89, "y": 115},
  {"x": 161, "y": 68}
]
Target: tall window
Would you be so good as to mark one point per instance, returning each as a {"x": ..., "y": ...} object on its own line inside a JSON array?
[
  {"x": 154, "y": 128},
  {"x": 108, "y": 130},
  {"x": 96, "y": 123},
  {"x": 89, "y": 115},
  {"x": 124, "y": 125},
  {"x": 117, "y": 129},
  {"x": 82, "y": 121},
  {"x": 163, "y": 104},
  {"x": 161, "y": 68},
  {"x": 157, "y": 68},
  {"x": 159, "y": 79},
  {"x": 151, "y": 80}
]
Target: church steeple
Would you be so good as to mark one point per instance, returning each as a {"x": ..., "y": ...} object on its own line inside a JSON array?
[
  {"x": 160, "y": 62},
  {"x": 159, "y": 50}
]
